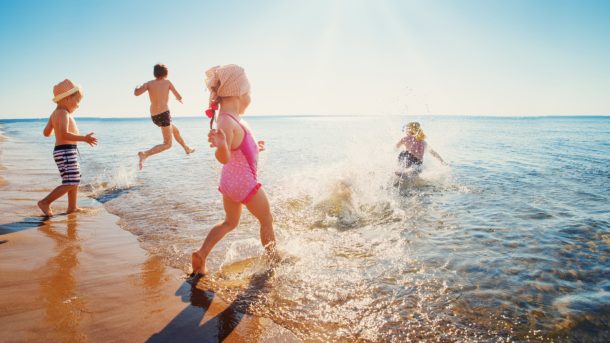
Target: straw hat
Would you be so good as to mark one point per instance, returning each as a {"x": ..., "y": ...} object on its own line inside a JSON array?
[{"x": 64, "y": 89}]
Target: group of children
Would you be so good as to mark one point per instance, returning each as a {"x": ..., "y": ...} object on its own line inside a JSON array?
[{"x": 236, "y": 148}]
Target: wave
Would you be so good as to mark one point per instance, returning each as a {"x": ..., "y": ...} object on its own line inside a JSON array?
[{"x": 111, "y": 184}]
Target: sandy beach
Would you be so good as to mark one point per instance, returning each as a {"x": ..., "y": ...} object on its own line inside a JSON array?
[{"x": 80, "y": 277}]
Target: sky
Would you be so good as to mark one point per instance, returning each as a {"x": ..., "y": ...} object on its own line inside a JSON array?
[{"x": 315, "y": 57}]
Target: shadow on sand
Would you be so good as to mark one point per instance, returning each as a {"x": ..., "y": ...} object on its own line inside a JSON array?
[
  {"x": 26, "y": 224},
  {"x": 187, "y": 327}
]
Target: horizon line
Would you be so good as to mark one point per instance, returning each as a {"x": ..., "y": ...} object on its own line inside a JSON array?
[{"x": 87, "y": 117}]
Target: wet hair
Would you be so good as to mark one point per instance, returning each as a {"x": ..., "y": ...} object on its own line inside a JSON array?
[{"x": 160, "y": 70}]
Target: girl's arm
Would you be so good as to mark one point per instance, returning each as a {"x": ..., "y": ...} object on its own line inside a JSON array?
[
  {"x": 437, "y": 156},
  {"x": 221, "y": 139},
  {"x": 48, "y": 130},
  {"x": 400, "y": 142}
]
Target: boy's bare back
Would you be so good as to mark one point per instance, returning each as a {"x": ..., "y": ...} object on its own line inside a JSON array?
[{"x": 158, "y": 92}]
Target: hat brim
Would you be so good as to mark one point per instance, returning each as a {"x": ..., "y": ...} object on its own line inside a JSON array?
[{"x": 65, "y": 94}]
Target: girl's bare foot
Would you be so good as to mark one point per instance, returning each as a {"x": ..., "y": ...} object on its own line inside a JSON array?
[
  {"x": 198, "y": 264},
  {"x": 45, "y": 208},
  {"x": 74, "y": 210},
  {"x": 142, "y": 159},
  {"x": 189, "y": 150}
]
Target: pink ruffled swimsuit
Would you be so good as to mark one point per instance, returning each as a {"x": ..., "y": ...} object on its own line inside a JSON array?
[{"x": 238, "y": 177}]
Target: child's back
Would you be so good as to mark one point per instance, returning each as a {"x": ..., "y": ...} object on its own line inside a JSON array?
[{"x": 158, "y": 91}]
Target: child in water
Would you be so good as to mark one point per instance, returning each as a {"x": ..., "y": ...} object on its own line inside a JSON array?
[
  {"x": 158, "y": 91},
  {"x": 415, "y": 145},
  {"x": 62, "y": 123},
  {"x": 237, "y": 151}
]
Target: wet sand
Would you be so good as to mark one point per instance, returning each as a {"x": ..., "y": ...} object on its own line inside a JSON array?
[{"x": 80, "y": 277}]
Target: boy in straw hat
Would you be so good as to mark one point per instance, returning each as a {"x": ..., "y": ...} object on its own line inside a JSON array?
[
  {"x": 67, "y": 96},
  {"x": 158, "y": 91}
]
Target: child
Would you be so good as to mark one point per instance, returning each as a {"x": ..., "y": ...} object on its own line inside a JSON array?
[
  {"x": 237, "y": 150},
  {"x": 415, "y": 146},
  {"x": 158, "y": 91},
  {"x": 67, "y": 96}
]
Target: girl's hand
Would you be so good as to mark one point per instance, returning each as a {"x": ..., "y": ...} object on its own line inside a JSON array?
[
  {"x": 261, "y": 145},
  {"x": 217, "y": 138}
]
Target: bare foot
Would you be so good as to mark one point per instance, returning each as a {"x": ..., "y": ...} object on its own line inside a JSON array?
[
  {"x": 198, "y": 264},
  {"x": 45, "y": 208},
  {"x": 142, "y": 159},
  {"x": 189, "y": 150},
  {"x": 74, "y": 210}
]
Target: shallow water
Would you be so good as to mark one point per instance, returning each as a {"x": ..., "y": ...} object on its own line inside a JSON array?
[{"x": 509, "y": 242}]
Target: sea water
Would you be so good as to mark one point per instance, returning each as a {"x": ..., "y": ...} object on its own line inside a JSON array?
[{"x": 510, "y": 241}]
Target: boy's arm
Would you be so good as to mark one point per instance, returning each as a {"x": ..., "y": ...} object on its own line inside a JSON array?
[
  {"x": 176, "y": 94},
  {"x": 141, "y": 89},
  {"x": 48, "y": 130},
  {"x": 62, "y": 132}
]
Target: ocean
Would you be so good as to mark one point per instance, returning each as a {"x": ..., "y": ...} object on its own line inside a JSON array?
[{"x": 509, "y": 242}]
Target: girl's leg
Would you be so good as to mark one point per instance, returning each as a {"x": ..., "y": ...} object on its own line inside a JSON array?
[
  {"x": 232, "y": 214},
  {"x": 259, "y": 207},
  {"x": 167, "y": 143},
  {"x": 45, "y": 204},
  {"x": 72, "y": 200},
  {"x": 180, "y": 141}
]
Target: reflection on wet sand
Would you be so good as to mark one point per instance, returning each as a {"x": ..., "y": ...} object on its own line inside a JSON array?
[{"x": 63, "y": 307}]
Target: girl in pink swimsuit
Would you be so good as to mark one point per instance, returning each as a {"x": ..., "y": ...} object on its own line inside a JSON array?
[
  {"x": 238, "y": 178},
  {"x": 237, "y": 150}
]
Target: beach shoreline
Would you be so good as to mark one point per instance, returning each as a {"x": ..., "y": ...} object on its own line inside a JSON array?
[{"x": 80, "y": 277}]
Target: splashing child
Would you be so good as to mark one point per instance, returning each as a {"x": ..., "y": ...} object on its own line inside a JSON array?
[
  {"x": 237, "y": 151},
  {"x": 414, "y": 144}
]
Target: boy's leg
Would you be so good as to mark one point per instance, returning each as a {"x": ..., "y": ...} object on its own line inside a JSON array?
[
  {"x": 232, "y": 215},
  {"x": 180, "y": 141},
  {"x": 167, "y": 143},
  {"x": 45, "y": 204},
  {"x": 73, "y": 200},
  {"x": 259, "y": 207}
]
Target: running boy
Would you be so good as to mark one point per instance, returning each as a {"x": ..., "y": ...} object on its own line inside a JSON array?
[
  {"x": 158, "y": 91},
  {"x": 67, "y": 96}
]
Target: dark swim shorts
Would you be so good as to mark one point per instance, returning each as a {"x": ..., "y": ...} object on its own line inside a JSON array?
[
  {"x": 162, "y": 119},
  {"x": 66, "y": 158},
  {"x": 407, "y": 159}
]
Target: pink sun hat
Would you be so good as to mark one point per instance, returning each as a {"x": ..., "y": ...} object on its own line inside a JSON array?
[
  {"x": 227, "y": 80},
  {"x": 64, "y": 89}
]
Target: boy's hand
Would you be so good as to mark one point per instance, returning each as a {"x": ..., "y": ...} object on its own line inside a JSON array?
[
  {"x": 217, "y": 138},
  {"x": 261, "y": 145},
  {"x": 90, "y": 139}
]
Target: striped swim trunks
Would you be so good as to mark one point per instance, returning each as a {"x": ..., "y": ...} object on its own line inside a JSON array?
[{"x": 66, "y": 158}]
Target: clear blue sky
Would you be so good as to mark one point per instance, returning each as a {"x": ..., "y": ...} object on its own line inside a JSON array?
[{"x": 534, "y": 57}]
